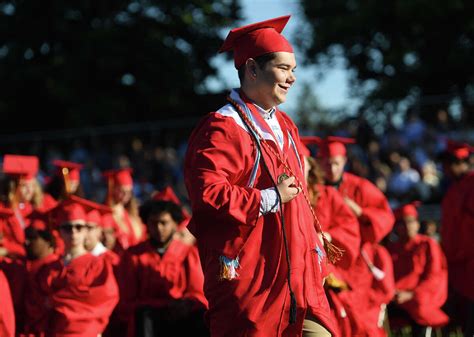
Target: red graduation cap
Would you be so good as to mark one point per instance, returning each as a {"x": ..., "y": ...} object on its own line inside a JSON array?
[
  {"x": 257, "y": 39},
  {"x": 309, "y": 140},
  {"x": 121, "y": 177},
  {"x": 458, "y": 150},
  {"x": 407, "y": 210},
  {"x": 94, "y": 211},
  {"x": 69, "y": 211},
  {"x": 334, "y": 146},
  {"x": 67, "y": 169},
  {"x": 25, "y": 167},
  {"x": 168, "y": 195}
]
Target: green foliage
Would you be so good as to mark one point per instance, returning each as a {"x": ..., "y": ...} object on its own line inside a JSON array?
[
  {"x": 101, "y": 62},
  {"x": 416, "y": 51}
]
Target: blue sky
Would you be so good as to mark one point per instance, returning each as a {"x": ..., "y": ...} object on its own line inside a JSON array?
[{"x": 332, "y": 90}]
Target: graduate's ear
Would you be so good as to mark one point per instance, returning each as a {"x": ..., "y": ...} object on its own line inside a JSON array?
[{"x": 251, "y": 68}]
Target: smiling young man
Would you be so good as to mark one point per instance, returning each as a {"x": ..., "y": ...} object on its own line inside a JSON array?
[{"x": 262, "y": 259}]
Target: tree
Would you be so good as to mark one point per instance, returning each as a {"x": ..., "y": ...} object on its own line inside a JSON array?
[
  {"x": 416, "y": 53},
  {"x": 95, "y": 62},
  {"x": 311, "y": 116}
]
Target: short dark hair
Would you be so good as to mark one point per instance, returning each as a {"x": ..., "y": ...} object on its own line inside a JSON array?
[
  {"x": 46, "y": 235},
  {"x": 261, "y": 60},
  {"x": 154, "y": 207}
]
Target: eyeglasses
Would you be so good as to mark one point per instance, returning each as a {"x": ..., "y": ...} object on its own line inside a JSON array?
[{"x": 68, "y": 228}]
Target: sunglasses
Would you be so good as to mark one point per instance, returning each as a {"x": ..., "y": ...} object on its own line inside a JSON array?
[{"x": 68, "y": 228}]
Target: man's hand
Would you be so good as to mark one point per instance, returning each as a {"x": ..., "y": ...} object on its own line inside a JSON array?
[
  {"x": 403, "y": 296},
  {"x": 3, "y": 251},
  {"x": 356, "y": 209},
  {"x": 288, "y": 191}
]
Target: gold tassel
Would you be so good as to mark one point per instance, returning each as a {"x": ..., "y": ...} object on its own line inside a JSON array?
[{"x": 334, "y": 253}]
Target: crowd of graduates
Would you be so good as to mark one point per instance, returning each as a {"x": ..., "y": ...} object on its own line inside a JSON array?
[{"x": 71, "y": 266}]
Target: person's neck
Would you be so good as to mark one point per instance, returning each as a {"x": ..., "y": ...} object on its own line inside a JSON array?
[
  {"x": 76, "y": 252},
  {"x": 335, "y": 183},
  {"x": 161, "y": 245},
  {"x": 45, "y": 253},
  {"x": 252, "y": 95}
]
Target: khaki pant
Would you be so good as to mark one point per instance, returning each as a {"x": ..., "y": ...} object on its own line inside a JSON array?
[{"x": 311, "y": 328}]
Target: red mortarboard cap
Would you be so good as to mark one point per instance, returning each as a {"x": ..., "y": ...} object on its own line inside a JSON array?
[
  {"x": 458, "y": 150},
  {"x": 122, "y": 177},
  {"x": 309, "y": 140},
  {"x": 69, "y": 211},
  {"x": 166, "y": 195},
  {"x": 24, "y": 166},
  {"x": 68, "y": 169},
  {"x": 109, "y": 222},
  {"x": 93, "y": 210},
  {"x": 38, "y": 224},
  {"x": 334, "y": 146},
  {"x": 257, "y": 39},
  {"x": 407, "y": 210}
]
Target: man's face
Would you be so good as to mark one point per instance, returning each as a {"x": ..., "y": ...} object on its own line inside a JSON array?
[
  {"x": 73, "y": 234},
  {"x": 408, "y": 227},
  {"x": 93, "y": 236},
  {"x": 109, "y": 239},
  {"x": 161, "y": 227},
  {"x": 334, "y": 167},
  {"x": 274, "y": 80},
  {"x": 36, "y": 246},
  {"x": 458, "y": 168}
]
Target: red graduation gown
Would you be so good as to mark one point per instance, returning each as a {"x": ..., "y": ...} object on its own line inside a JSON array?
[
  {"x": 7, "y": 314},
  {"x": 36, "y": 308},
  {"x": 375, "y": 223},
  {"x": 148, "y": 279},
  {"x": 381, "y": 292},
  {"x": 340, "y": 222},
  {"x": 420, "y": 266},
  {"x": 226, "y": 223},
  {"x": 377, "y": 218},
  {"x": 457, "y": 233},
  {"x": 82, "y": 295},
  {"x": 15, "y": 272},
  {"x": 13, "y": 227},
  {"x": 128, "y": 237}
]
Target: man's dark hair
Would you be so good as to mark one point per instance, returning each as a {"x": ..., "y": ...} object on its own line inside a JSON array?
[
  {"x": 153, "y": 207},
  {"x": 46, "y": 235},
  {"x": 261, "y": 62}
]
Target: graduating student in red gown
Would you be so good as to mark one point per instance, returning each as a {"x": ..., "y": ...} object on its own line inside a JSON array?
[
  {"x": 129, "y": 228},
  {"x": 25, "y": 198},
  {"x": 7, "y": 314},
  {"x": 421, "y": 276},
  {"x": 65, "y": 181},
  {"x": 457, "y": 231},
  {"x": 375, "y": 219},
  {"x": 81, "y": 288},
  {"x": 162, "y": 280},
  {"x": 341, "y": 227},
  {"x": 257, "y": 268},
  {"x": 40, "y": 249}
]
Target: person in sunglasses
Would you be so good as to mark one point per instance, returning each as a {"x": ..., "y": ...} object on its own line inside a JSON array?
[{"x": 81, "y": 288}]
